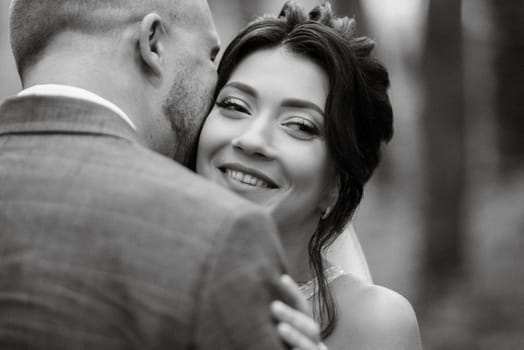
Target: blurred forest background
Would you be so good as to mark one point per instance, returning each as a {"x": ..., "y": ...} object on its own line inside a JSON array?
[{"x": 442, "y": 222}]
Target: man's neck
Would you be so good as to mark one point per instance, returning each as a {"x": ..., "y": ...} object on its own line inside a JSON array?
[
  {"x": 107, "y": 67},
  {"x": 50, "y": 71},
  {"x": 107, "y": 82}
]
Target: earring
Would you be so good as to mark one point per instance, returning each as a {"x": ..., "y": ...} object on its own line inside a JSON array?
[{"x": 325, "y": 213}]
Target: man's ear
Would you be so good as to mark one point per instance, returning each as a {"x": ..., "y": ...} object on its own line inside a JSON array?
[{"x": 151, "y": 43}]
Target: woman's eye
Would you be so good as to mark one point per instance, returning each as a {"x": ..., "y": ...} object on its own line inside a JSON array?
[
  {"x": 302, "y": 127},
  {"x": 233, "y": 104}
]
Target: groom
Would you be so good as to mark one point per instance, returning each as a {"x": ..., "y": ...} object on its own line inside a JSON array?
[{"x": 106, "y": 243}]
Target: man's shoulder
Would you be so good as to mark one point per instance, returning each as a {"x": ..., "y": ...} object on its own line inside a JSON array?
[
  {"x": 175, "y": 197},
  {"x": 179, "y": 183},
  {"x": 170, "y": 187}
]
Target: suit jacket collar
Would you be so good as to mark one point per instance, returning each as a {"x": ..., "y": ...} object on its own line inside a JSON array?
[
  {"x": 58, "y": 90},
  {"x": 44, "y": 114}
]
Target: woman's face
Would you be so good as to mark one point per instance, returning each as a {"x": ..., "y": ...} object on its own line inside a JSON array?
[{"x": 265, "y": 138}]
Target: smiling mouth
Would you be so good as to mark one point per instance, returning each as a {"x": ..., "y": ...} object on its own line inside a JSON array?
[{"x": 247, "y": 179}]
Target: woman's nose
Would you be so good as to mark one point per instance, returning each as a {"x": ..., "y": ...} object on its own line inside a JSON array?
[{"x": 256, "y": 139}]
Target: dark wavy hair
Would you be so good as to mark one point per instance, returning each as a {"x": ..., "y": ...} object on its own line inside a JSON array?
[{"x": 359, "y": 117}]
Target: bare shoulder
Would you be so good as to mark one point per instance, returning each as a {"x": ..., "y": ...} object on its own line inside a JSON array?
[{"x": 372, "y": 317}]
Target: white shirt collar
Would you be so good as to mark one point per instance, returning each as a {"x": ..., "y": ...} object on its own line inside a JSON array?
[{"x": 74, "y": 92}]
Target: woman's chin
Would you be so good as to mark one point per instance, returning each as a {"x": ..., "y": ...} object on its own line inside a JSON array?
[{"x": 266, "y": 198}]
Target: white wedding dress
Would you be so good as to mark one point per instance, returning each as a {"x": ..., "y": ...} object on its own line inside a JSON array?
[
  {"x": 347, "y": 253},
  {"x": 345, "y": 257}
]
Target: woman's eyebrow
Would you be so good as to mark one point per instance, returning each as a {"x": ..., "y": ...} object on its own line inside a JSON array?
[
  {"x": 243, "y": 87},
  {"x": 297, "y": 103},
  {"x": 289, "y": 102}
]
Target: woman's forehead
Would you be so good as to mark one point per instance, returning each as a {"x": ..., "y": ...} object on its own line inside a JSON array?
[{"x": 284, "y": 74}]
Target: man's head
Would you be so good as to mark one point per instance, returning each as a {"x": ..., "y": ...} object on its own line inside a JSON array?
[{"x": 153, "y": 58}]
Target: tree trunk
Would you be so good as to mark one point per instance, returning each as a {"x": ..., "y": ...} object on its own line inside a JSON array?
[
  {"x": 444, "y": 147},
  {"x": 509, "y": 72}
]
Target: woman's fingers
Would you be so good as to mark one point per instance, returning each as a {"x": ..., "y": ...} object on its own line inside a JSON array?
[
  {"x": 322, "y": 346},
  {"x": 300, "y": 322},
  {"x": 296, "y": 339},
  {"x": 294, "y": 290},
  {"x": 296, "y": 325}
]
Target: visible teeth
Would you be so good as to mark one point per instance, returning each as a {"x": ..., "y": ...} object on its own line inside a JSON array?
[{"x": 246, "y": 178}]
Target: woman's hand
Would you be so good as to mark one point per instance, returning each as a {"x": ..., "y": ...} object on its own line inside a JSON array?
[{"x": 296, "y": 326}]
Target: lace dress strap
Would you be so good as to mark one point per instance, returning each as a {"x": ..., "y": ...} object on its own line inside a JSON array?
[{"x": 310, "y": 288}]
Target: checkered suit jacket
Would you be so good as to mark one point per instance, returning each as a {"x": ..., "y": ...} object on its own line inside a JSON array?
[{"x": 105, "y": 244}]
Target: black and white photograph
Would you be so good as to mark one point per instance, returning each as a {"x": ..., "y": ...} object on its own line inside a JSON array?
[{"x": 252, "y": 175}]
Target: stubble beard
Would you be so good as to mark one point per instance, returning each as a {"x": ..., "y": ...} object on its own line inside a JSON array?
[{"x": 186, "y": 107}]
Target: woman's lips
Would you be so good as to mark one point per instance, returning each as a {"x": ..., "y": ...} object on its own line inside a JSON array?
[{"x": 247, "y": 176}]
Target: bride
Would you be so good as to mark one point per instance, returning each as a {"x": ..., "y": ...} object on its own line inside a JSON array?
[{"x": 300, "y": 115}]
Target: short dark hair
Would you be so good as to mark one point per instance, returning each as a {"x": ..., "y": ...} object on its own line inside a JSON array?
[
  {"x": 359, "y": 117},
  {"x": 34, "y": 24}
]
